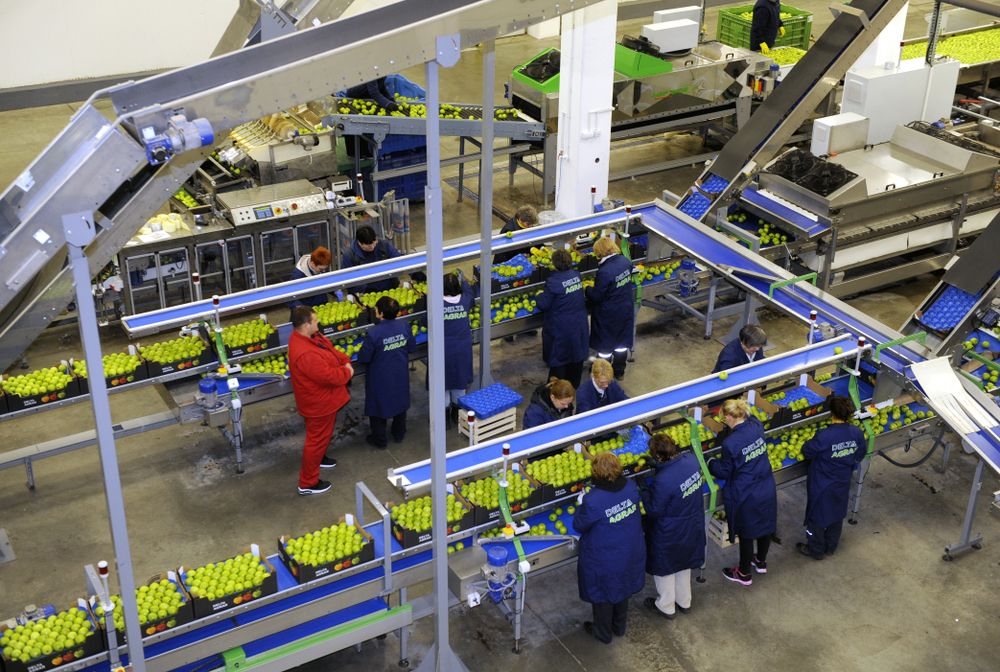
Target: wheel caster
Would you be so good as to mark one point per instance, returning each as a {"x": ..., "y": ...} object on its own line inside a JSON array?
[
  {"x": 700, "y": 579},
  {"x": 852, "y": 521},
  {"x": 978, "y": 546},
  {"x": 947, "y": 557},
  {"x": 516, "y": 649},
  {"x": 707, "y": 337},
  {"x": 404, "y": 663},
  {"x": 240, "y": 469}
]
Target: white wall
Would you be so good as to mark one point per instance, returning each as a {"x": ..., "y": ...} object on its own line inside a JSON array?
[{"x": 44, "y": 41}]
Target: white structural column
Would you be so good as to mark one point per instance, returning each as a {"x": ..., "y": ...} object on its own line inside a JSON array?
[{"x": 585, "y": 81}]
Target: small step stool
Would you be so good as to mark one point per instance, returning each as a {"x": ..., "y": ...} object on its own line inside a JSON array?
[{"x": 494, "y": 412}]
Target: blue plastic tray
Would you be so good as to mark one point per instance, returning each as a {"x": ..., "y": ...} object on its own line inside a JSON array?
[{"x": 490, "y": 400}]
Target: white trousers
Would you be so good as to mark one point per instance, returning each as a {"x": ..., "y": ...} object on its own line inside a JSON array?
[{"x": 673, "y": 589}]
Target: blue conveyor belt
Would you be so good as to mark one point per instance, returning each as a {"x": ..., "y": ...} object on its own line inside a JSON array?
[
  {"x": 348, "y": 277},
  {"x": 810, "y": 226},
  {"x": 629, "y": 411}
]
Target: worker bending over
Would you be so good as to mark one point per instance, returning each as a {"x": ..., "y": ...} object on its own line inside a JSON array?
[
  {"x": 368, "y": 249},
  {"x": 747, "y": 347}
]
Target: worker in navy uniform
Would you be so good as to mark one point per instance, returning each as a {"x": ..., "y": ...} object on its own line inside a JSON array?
[
  {"x": 459, "y": 298},
  {"x": 747, "y": 347},
  {"x": 612, "y": 306},
  {"x": 766, "y": 25},
  {"x": 375, "y": 90},
  {"x": 612, "y": 555},
  {"x": 601, "y": 390},
  {"x": 386, "y": 352},
  {"x": 833, "y": 454},
  {"x": 750, "y": 495},
  {"x": 525, "y": 218},
  {"x": 564, "y": 320},
  {"x": 675, "y": 525},
  {"x": 308, "y": 265},
  {"x": 368, "y": 249},
  {"x": 551, "y": 401}
]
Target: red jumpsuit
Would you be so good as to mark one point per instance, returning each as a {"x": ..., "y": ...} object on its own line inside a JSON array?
[{"x": 319, "y": 378}]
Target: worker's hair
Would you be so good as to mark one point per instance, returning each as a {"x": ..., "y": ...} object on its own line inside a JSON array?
[
  {"x": 388, "y": 306},
  {"x": 605, "y": 247},
  {"x": 737, "y": 408},
  {"x": 301, "y": 315},
  {"x": 452, "y": 285},
  {"x": 562, "y": 260},
  {"x": 607, "y": 467},
  {"x": 560, "y": 389},
  {"x": 841, "y": 408},
  {"x": 662, "y": 448},
  {"x": 602, "y": 371},
  {"x": 751, "y": 335},
  {"x": 527, "y": 215},
  {"x": 321, "y": 256},
  {"x": 365, "y": 235}
]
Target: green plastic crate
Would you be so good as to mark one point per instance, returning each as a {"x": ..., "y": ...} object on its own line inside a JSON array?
[{"x": 734, "y": 29}]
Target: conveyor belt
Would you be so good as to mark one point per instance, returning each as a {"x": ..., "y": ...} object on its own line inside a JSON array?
[
  {"x": 810, "y": 227},
  {"x": 578, "y": 427}
]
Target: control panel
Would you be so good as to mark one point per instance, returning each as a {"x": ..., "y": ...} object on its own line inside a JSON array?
[{"x": 278, "y": 201}]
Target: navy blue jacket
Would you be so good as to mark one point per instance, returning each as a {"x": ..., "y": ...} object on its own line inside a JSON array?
[
  {"x": 541, "y": 410},
  {"x": 374, "y": 90},
  {"x": 765, "y": 23},
  {"x": 355, "y": 256},
  {"x": 750, "y": 495},
  {"x": 587, "y": 398},
  {"x": 734, "y": 355},
  {"x": 675, "y": 517},
  {"x": 386, "y": 350},
  {"x": 458, "y": 341},
  {"x": 612, "y": 556},
  {"x": 833, "y": 454},
  {"x": 612, "y": 305},
  {"x": 564, "y": 319},
  {"x": 302, "y": 270}
]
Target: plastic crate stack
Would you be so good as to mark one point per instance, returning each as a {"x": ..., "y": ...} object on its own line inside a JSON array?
[
  {"x": 949, "y": 309},
  {"x": 491, "y": 400}
]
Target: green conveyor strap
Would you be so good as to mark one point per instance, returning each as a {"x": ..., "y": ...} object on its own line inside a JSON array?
[
  {"x": 915, "y": 336},
  {"x": 991, "y": 364},
  {"x": 791, "y": 281},
  {"x": 713, "y": 489},
  {"x": 852, "y": 388},
  {"x": 505, "y": 511},
  {"x": 971, "y": 377},
  {"x": 220, "y": 347}
]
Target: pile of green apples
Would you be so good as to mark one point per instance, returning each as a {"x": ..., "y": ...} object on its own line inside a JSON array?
[
  {"x": 990, "y": 378},
  {"x": 49, "y": 383},
  {"x": 349, "y": 345},
  {"x": 508, "y": 307},
  {"x": 786, "y": 55},
  {"x": 974, "y": 341},
  {"x": 756, "y": 412},
  {"x": 557, "y": 522},
  {"x": 680, "y": 434},
  {"x": 243, "y": 574},
  {"x": 767, "y": 235},
  {"x": 187, "y": 199},
  {"x": 613, "y": 443},
  {"x": 405, "y": 296},
  {"x": 978, "y": 47},
  {"x": 415, "y": 515},
  {"x": 416, "y": 328},
  {"x": 541, "y": 257},
  {"x": 408, "y": 107},
  {"x": 166, "y": 352},
  {"x": 341, "y": 313},
  {"x": 158, "y": 601},
  {"x": 645, "y": 273},
  {"x": 560, "y": 469},
  {"x": 251, "y": 334},
  {"x": 508, "y": 270},
  {"x": 56, "y": 635},
  {"x": 486, "y": 491},
  {"x": 119, "y": 367},
  {"x": 268, "y": 364},
  {"x": 333, "y": 544},
  {"x": 789, "y": 444},
  {"x": 896, "y": 417},
  {"x": 628, "y": 459}
]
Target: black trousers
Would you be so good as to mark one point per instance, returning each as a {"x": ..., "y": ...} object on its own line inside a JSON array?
[
  {"x": 568, "y": 372},
  {"x": 823, "y": 540},
  {"x": 610, "y": 618},
  {"x": 747, "y": 551},
  {"x": 378, "y": 428}
]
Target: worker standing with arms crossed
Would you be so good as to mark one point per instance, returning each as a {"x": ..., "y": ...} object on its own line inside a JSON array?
[
  {"x": 612, "y": 306},
  {"x": 319, "y": 374},
  {"x": 386, "y": 351},
  {"x": 833, "y": 454},
  {"x": 564, "y": 320},
  {"x": 750, "y": 494}
]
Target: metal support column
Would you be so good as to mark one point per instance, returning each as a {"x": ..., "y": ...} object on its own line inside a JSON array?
[
  {"x": 967, "y": 541},
  {"x": 440, "y": 657},
  {"x": 80, "y": 231},
  {"x": 486, "y": 216},
  {"x": 862, "y": 471}
]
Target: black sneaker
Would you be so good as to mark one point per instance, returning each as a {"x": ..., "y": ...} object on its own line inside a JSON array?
[
  {"x": 588, "y": 627},
  {"x": 321, "y": 486},
  {"x": 370, "y": 440},
  {"x": 734, "y": 574},
  {"x": 759, "y": 566},
  {"x": 683, "y": 610},
  {"x": 650, "y": 603},
  {"x": 328, "y": 462},
  {"x": 804, "y": 550}
]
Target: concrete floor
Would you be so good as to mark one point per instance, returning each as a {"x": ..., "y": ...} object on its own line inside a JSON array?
[{"x": 886, "y": 601}]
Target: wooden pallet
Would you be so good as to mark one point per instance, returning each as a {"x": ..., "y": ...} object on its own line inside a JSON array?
[
  {"x": 504, "y": 422},
  {"x": 718, "y": 531}
]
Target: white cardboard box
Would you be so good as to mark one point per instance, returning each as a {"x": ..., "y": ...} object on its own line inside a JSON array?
[
  {"x": 691, "y": 12},
  {"x": 677, "y": 35},
  {"x": 839, "y": 133}
]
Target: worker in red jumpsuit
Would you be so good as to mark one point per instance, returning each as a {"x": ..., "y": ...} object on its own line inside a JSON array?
[{"x": 320, "y": 374}]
